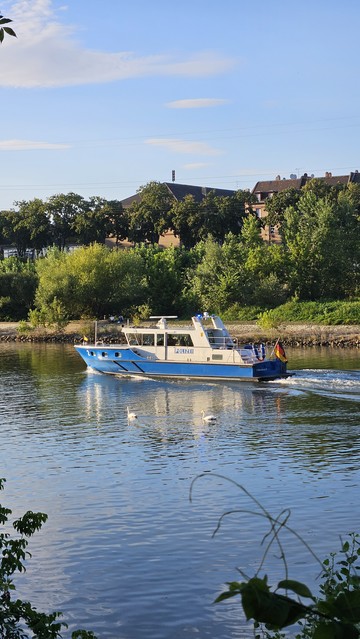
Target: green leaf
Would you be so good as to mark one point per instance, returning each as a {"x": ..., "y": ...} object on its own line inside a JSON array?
[
  {"x": 1, "y": 34},
  {"x": 268, "y": 607},
  {"x": 296, "y": 586},
  {"x": 225, "y": 595},
  {"x": 10, "y": 31},
  {"x": 5, "y": 20},
  {"x": 347, "y": 605},
  {"x": 235, "y": 588}
]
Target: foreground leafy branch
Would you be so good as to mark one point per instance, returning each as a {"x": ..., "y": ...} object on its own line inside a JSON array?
[
  {"x": 333, "y": 614},
  {"x": 19, "y": 619},
  {"x": 7, "y": 30}
]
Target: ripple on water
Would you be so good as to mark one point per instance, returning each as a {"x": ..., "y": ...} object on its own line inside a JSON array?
[{"x": 124, "y": 551}]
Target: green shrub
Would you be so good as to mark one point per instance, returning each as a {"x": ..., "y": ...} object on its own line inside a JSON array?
[
  {"x": 24, "y": 327},
  {"x": 268, "y": 319},
  {"x": 51, "y": 315}
]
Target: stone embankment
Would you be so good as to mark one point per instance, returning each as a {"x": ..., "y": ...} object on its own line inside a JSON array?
[{"x": 290, "y": 334}]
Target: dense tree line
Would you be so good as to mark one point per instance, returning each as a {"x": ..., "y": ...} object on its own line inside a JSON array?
[
  {"x": 60, "y": 220},
  {"x": 66, "y": 218},
  {"x": 318, "y": 259}
]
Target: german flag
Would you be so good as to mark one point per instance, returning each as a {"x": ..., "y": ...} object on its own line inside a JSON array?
[{"x": 280, "y": 352}]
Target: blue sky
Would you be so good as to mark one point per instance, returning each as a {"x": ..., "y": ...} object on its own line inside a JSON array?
[{"x": 100, "y": 98}]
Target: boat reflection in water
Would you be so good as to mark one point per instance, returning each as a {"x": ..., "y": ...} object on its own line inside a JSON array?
[{"x": 173, "y": 410}]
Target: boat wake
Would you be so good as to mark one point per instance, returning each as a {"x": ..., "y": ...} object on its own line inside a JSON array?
[{"x": 344, "y": 384}]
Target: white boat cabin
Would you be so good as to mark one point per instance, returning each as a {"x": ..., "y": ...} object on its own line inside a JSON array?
[{"x": 205, "y": 341}]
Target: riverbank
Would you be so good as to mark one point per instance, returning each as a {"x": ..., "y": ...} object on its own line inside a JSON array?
[{"x": 290, "y": 334}]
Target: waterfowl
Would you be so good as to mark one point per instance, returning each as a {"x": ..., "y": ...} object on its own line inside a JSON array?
[
  {"x": 131, "y": 415},
  {"x": 208, "y": 418}
]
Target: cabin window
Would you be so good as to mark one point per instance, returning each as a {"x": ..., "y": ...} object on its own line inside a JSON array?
[
  {"x": 179, "y": 339},
  {"x": 133, "y": 339},
  {"x": 148, "y": 339},
  {"x": 160, "y": 339},
  {"x": 216, "y": 357}
]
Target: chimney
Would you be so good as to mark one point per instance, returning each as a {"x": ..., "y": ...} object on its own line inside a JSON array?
[{"x": 278, "y": 177}]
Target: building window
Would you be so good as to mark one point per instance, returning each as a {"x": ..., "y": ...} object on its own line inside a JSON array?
[{"x": 258, "y": 213}]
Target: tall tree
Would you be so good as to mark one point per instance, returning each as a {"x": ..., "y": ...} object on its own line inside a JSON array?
[
  {"x": 26, "y": 228},
  {"x": 33, "y": 218},
  {"x": 214, "y": 215},
  {"x": 149, "y": 217},
  {"x": 62, "y": 210},
  {"x": 278, "y": 203},
  {"x": 118, "y": 220},
  {"x": 321, "y": 243},
  {"x": 90, "y": 223},
  {"x": 185, "y": 220}
]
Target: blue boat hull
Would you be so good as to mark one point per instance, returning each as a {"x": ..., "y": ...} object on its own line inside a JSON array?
[{"x": 126, "y": 362}]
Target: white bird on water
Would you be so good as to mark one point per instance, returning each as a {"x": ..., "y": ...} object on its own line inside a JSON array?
[
  {"x": 208, "y": 418},
  {"x": 130, "y": 414}
]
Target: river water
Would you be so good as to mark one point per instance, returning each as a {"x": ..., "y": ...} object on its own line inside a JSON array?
[{"x": 125, "y": 552}]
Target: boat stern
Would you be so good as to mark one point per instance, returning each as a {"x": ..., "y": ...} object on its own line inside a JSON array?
[{"x": 270, "y": 369}]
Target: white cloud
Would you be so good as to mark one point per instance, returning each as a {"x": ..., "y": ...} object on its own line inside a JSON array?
[
  {"x": 184, "y": 146},
  {"x": 196, "y": 103},
  {"x": 29, "y": 145},
  {"x": 47, "y": 54}
]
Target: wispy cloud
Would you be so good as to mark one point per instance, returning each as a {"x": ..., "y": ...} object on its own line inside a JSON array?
[
  {"x": 196, "y": 103},
  {"x": 195, "y": 165},
  {"x": 184, "y": 146},
  {"x": 47, "y": 54},
  {"x": 29, "y": 145}
]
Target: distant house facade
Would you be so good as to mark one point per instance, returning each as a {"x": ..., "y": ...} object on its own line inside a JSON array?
[{"x": 268, "y": 188}]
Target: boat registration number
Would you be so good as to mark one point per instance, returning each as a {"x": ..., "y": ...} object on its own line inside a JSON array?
[{"x": 184, "y": 351}]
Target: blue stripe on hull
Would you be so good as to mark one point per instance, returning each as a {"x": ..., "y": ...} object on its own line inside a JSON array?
[{"x": 104, "y": 361}]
